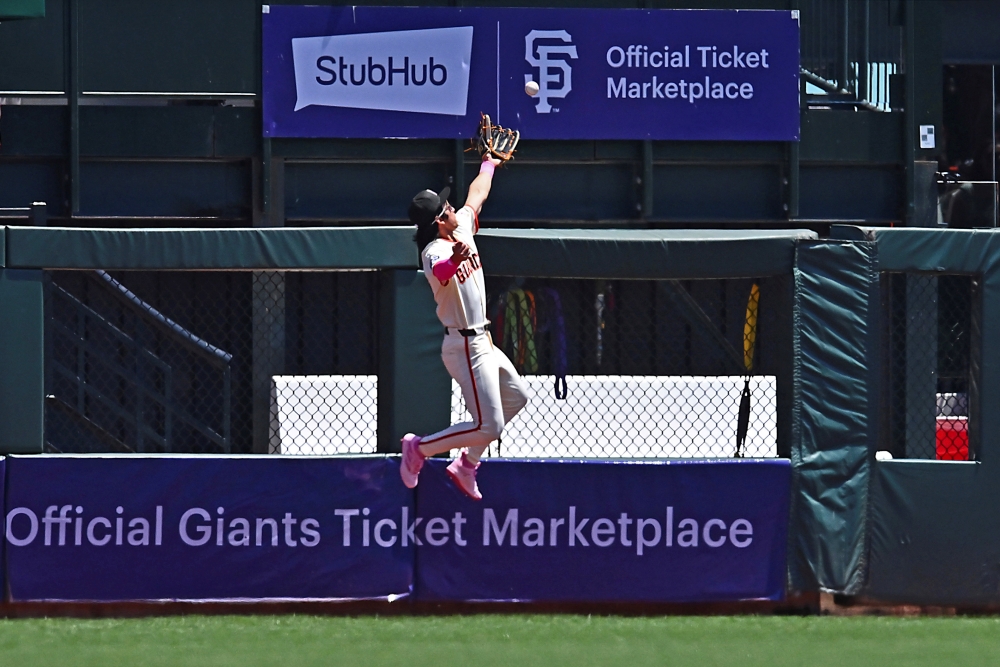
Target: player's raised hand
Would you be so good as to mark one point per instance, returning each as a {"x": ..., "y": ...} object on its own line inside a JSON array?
[{"x": 460, "y": 252}]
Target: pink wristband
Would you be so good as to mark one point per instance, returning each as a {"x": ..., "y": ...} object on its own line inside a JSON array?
[
  {"x": 487, "y": 168},
  {"x": 445, "y": 269}
]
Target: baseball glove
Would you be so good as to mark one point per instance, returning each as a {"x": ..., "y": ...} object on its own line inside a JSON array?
[{"x": 495, "y": 141}]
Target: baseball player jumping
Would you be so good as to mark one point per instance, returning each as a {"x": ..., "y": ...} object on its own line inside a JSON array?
[{"x": 493, "y": 390}]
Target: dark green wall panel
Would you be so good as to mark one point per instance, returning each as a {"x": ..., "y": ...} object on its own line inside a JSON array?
[
  {"x": 365, "y": 149},
  {"x": 132, "y": 131},
  {"x": 851, "y": 193},
  {"x": 841, "y": 136},
  {"x": 23, "y": 182},
  {"x": 359, "y": 191},
  {"x": 36, "y": 131},
  {"x": 585, "y": 192},
  {"x": 726, "y": 152},
  {"x": 176, "y": 46},
  {"x": 22, "y": 374},
  {"x": 236, "y": 132},
  {"x": 166, "y": 188},
  {"x": 151, "y": 132},
  {"x": 969, "y": 32},
  {"x": 717, "y": 192},
  {"x": 933, "y": 533},
  {"x": 32, "y": 52}
]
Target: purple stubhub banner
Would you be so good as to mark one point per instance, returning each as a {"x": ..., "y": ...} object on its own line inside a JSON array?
[
  {"x": 370, "y": 72},
  {"x": 204, "y": 528},
  {"x": 678, "y": 531}
]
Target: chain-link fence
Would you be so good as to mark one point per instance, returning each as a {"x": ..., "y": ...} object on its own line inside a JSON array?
[
  {"x": 210, "y": 361},
  {"x": 286, "y": 363},
  {"x": 630, "y": 368},
  {"x": 931, "y": 357}
]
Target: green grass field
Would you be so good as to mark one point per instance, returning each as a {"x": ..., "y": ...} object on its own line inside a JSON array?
[{"x": 518, "y": 640}]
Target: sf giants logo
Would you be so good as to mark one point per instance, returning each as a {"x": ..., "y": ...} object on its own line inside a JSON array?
[{"x": 555, "y": 76}]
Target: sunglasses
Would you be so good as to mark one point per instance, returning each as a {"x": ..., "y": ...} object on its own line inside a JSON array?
[{"x": 443, "y": 215}]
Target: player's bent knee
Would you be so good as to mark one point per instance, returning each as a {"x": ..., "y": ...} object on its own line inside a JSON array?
[{"x": 491, "y": 432}]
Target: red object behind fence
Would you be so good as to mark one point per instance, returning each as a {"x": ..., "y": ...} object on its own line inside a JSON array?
[{"x": 952, "y": 438}]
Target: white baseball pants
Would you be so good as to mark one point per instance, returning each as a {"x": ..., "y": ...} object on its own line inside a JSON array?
[{"x": 493, "y": 392}]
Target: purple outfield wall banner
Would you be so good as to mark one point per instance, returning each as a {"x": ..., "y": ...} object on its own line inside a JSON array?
[
  {"x": 3, "y": 566},
  {"x": 371, "y": 72},
  {"x": 677, "y": 531},
  {"x": 202, "y": 528}
]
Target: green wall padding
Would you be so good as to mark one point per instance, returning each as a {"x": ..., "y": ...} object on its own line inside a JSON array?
[
  {"x": 261, "y": 248},
  {"x": 832, "y": 415},
  {"x": 572, "y": 253},
  {"x": 935, "y": 536},
  {"x": 414, "y": 389},
  {"x": 22, "y": 365},
  {"x": 618, "y": 253},
  {"x": 22, "y": 9}
]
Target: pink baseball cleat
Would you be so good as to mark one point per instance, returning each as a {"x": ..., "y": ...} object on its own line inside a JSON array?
[
  {"x": 412, "y": 461},
  {"x": 463, "y": 472}
]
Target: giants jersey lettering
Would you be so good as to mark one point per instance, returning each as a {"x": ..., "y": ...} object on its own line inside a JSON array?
[{"x": 461, "y": 301}]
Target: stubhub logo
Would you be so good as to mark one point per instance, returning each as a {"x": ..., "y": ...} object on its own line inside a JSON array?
[{"x": 423, "y": 71}]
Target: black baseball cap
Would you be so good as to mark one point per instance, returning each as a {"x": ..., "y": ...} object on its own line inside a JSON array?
[{"x": 427, "y": 205}]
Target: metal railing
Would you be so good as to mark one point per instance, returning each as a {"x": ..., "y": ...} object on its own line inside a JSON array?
[
  {"x": 117, "y": 379},
  {"x": 850, "y": 52}
]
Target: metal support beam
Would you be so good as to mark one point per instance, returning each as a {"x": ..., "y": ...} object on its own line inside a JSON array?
[
  {"x": 793, "y": 181},
  {"x": 268, "y": 308},
  {"x": 458, "y": 186},
  {"x": 268, "y": 353},
  {"x": 845, "y": 46},
  {"x": 909, "y": 112},
  {"x": 865, "y": 55},
  {"x": 73, "y": 99},
  {"x": 921, "y": 365}
]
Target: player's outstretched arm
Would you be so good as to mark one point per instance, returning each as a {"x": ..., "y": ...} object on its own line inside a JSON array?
[{"x": 479, "y": 189}]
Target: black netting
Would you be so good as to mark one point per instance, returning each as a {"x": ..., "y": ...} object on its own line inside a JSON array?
[
  {"x": 209, "y": 361},
  {"x": 286, "y": 362},
  {"x": 630, "y": 368},
  {"x": 931, "y": 357}
]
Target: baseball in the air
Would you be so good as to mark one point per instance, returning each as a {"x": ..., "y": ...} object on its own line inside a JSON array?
[{"x": 531, "y": 88}]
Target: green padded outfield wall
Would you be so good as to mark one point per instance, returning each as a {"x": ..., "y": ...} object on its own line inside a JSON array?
[
  {"x": 22, "y": 361},
  {"x": 832, "y": 413},
  {"x": 410, "y": 335},
  {"x": 935, "y": 536},
  {"x": 644, "y": 254},
  {"x": 22, "y": 9},
  {"x": 240, "y": 249}
]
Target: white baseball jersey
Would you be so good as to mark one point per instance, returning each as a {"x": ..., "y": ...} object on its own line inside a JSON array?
[{"x": 461, "y": 300}]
